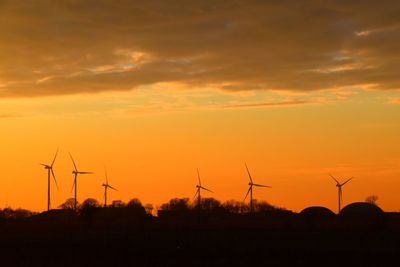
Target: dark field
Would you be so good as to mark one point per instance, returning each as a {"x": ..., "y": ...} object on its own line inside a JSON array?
[{"x": 152, "y": 242}]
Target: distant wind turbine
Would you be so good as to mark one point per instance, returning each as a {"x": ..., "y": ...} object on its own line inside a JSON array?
[
  {"x": 75, "y": 172},
  {"x": 199, "y": 187},
  {"x": 50, "y": 171},
  {"x": 106, "y": 186},
  {"x": 251, "y": 184},
  {"x": 340, "y": 193}
]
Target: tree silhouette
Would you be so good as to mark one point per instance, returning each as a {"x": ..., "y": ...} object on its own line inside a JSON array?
[
  {"x": 90, "y": 203},
  {"x": 149, "y": 208},
  {"x": 234, "y": 206},
  {"x": 69, "y": 204},
  {"x": 135, "y": 206},
  {"x": 134, "y": 203},
  {"x": 118, "y": 204},
  {"x": 208, "y": 204},
  {"x": 17, "y": 214},
  {"x": 176, "y": 204},
  {"x": 372, "y": 199},
  {"x": 262, "y": 206}
]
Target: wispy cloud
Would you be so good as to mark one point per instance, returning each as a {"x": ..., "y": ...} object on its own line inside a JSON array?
[
  {"x": 271, "y": 104},
  {"x": 7, "y": 116},
  {"x": 394, "y": 100}
]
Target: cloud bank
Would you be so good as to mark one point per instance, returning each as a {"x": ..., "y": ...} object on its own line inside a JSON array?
[{"x": 67, "y": 47}]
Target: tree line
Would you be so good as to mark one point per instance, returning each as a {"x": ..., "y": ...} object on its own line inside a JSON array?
[{"x": 174, "y": 204}]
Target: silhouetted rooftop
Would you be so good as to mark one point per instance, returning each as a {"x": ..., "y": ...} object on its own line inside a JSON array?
[
  {"x": 317, "y": 211},
  {"x": 361, "y": 208}
]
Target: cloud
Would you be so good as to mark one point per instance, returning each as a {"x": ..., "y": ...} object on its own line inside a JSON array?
[
  {"x": 271, "y": 104},
  {"x": 394, "y": 100},
  {"x": 68, "y": 47},
  {"x": 7, "y": 116}
]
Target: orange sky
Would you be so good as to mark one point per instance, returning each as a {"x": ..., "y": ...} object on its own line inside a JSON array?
[
  {"x": 154, "y": 156},
  {"x": 154, "y": 92}
]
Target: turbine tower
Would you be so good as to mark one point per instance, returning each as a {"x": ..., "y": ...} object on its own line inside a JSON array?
[
  {"x": 251, "y": 184},
  {"x": 50, "y": 172},
  {"x": 75, "y": 172},
  {"x": 199, "y": 187},
  {"x": 340, "y": 193},
  {"x": 106, "y": 186}
]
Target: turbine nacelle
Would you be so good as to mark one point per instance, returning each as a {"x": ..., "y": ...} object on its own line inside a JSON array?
[
  {"x": 109, "y": 186},
  {"x": 46, "y": 166}
]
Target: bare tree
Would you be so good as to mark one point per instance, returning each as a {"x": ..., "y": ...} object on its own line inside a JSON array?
[
  {"x": 372, "y": 199},
  {"x": 68, "y": 204},
  {"x": 209, "y": 204},
  {"x": 234, "y": 206}
]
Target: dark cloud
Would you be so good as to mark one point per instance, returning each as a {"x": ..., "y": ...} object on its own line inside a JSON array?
[{"x": 64, "y": 47}]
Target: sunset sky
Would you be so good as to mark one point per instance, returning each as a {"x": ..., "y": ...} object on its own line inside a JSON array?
[{"x": 155, "y": 89}]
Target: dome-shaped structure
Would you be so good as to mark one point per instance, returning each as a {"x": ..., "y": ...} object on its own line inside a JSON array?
[
  {"x": 317, "y": 211},
  {"x": 361, "y": 208}
]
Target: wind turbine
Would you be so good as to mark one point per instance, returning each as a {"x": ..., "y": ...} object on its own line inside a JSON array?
[
  {"x": 199, "y": 187},
  {"x": 106, "y": 186},
  {"x": 340, "y": 193},
  {"x": 251, "y": 184},
  {"x": 50, "y": 171},
  {"x": 75, "y": 172}
]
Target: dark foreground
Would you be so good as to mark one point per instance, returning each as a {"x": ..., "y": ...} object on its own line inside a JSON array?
[{"x": 155, "y": 245}]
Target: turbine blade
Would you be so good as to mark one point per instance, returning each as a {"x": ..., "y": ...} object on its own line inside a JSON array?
[
  {"x": 44, "y": 165},
  {"x": 54, "y": 177},
  {"x": 248, "y": 172},
  {"x": 248, "y": 191},
  {"x": 198, "y": 176},
  {"x": 334, "y": 179},
  {"x": 73, "y": 185},
  {"x": 85, "y": 172},
  {"x": 73, "y": 162},
  {"x": 54, "y": 160},
  {"x": 347, "y": 181},
  {"x": 260, "y": 185},
  {"x": 206, "y": 189},
  {"x": 112, "y": 187},
  {"x": 105, "y": 171}
]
